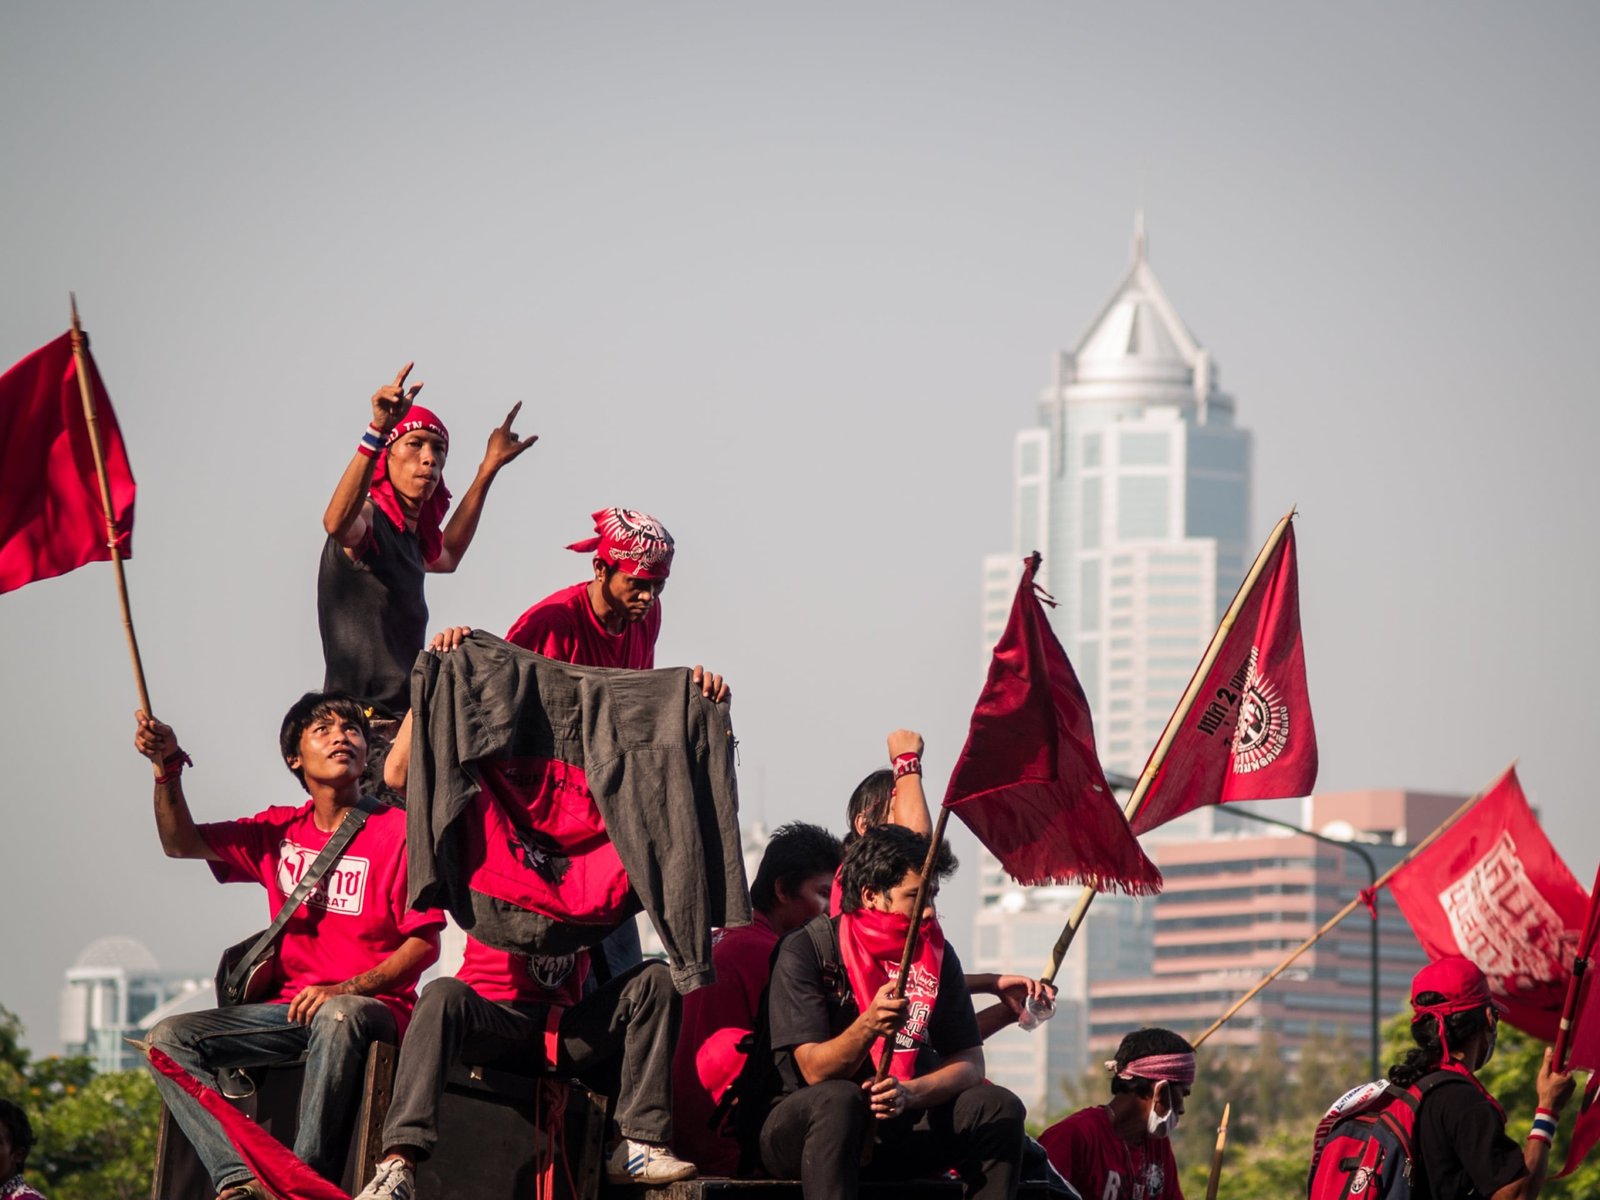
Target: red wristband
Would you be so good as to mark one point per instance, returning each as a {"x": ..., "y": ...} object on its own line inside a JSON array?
[{"x": 907, "y": 764}]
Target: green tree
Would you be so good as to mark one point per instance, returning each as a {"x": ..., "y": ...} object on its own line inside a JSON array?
[{"x": 95, "y": 1135}]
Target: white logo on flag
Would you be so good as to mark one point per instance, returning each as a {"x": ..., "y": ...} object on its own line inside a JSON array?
[
  {"x": 1263, "y": 729},
  {"x": 1502, "y": 922},
  {"x": 342, "y": 889}
]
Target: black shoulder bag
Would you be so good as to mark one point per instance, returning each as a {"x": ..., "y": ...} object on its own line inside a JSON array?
[{"x": 247, "y": 970}]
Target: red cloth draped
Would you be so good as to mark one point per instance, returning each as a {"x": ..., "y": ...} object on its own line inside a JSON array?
[
  {"x": 1492, "y": 889},
  {"x": 1029, "y": 781},
  {"x": 273, "y": 1163},
  {"x": 871, "y": 944},
  {"x": 1249, "y": 734},
  {"x": 51, "y": 518},
  {"x": 430, "y": 520}
]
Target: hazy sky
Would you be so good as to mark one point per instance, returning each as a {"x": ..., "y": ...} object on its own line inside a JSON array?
[{"x": 789, "y": 276}]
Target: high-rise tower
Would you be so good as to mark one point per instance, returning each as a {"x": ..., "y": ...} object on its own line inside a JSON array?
[{"x": 1135, "y": 486}]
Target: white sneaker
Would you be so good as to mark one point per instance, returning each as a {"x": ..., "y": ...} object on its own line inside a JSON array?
[
  {"x": 640, "y": 1162},
  {"x": 393, "y": 1181}
]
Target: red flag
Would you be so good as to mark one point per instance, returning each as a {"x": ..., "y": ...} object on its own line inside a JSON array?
[
  {"x": 1583, "y": 1040},
  {"x": 51, "y": 518},
  {"x": 1493, "y": 889},
  {"x": 1585, "y": 1128},
  {"x": 273, "y": 1163},
  {"x": 1028, "y": 781},
  {"x": 1248, "y": 734}
]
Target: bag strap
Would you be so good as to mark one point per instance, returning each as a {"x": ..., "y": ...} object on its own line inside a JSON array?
[
  {"x": 825, "y": 939},
  {"x": 348, "y": 828}
]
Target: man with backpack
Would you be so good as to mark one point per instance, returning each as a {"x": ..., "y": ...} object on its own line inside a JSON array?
[
  {"x": 1431, "y": 1131},
  {"x": 831, "y": 1000}
]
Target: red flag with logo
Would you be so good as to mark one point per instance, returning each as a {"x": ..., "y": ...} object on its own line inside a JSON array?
[
  {"x": 51, "y": 517},
  {"x": 1029, "y": 782},
  {"x": 1249, "y": 734},
  {"x": 1493, "y": 889}
]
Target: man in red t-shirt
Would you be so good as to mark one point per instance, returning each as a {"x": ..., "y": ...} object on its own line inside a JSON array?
[
  {"x": 347, "y": 962},
  {"x": 529, "y": 1011},
  {"x": 1123, "y": 1150},
  {"x": 791, "y": 886}
]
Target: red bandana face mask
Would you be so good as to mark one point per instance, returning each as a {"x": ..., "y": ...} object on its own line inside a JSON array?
[
  {"x": 430, "y": 520},
  {"x": 871, "y": 944},
  {"x": 633, "y": 542}
]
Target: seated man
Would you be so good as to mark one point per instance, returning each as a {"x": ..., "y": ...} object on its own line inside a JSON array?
[
  {"x": 894, "y": 795},
  {"x": 347, "y": 962},
  {"x": 1123, "y": 1150},
  {"x": 933, "y": 1110},
  {"x": 619, "y": 1039},
  {"x": 791, "y": 887}
]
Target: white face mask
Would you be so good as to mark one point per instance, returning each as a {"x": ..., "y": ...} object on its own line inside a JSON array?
[{"x": 1157, "y": 1126}]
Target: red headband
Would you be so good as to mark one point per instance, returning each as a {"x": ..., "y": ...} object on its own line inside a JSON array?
[
  {"x": 1461, "y": 985},
  {"x": 632, "y": 541},
  {"x": 1163, "y": 1068},
  {"x": 431, "y": 518}
]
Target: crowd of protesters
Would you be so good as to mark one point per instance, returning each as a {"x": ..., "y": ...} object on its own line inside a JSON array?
[{"x": 808, "y": 1057}]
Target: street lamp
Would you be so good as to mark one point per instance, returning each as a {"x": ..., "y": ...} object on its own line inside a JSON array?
[{"x": 1372, "y": 873}]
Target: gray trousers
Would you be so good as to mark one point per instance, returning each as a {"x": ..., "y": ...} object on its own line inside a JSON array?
[{"x": 617, "y": 1040}]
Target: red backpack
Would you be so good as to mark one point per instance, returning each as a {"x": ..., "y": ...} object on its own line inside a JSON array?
[{"x": 1364, "y": 1146}]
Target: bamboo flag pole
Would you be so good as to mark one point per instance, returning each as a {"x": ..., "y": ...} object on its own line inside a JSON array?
[
  {"x": 1335, "y": 919},
  {"x": 916, "y": 923},
  {"x": 1216, "y": 1155},
  {"x": 80, "y": 357},
  {"x": 1174, "y": 723}
]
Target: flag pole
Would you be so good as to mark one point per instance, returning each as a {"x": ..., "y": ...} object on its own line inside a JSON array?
[
  {"x": 1216, "y": 1155},
  {"x": 1158, "y": 756},
  {"x": 80, "y": 358},
  {"x": 1339, "y": 916},
  {"x": 1580, "y": 964}
]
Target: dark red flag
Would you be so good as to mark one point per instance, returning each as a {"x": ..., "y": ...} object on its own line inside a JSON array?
[
  {"x": 1248, "y": 735},
  {"x": 1493, "y": 889},
  {"x": 1585, "y": 1128},
  {"x": 273, "y": 1163},
  {"x": 1028, "y": 781},
  {"x": 51, "y": 518}
]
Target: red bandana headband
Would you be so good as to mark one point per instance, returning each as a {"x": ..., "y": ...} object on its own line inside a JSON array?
[
  {"x": 1162, "y": 1068},
  {"x": 431, "y": 519},
  {"x": 632, "y": 541}
]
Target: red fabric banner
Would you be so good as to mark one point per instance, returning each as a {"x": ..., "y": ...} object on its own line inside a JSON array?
[
  {"x": 1249, "y": 734},
  {"x": 1585, "y": 1128},
  {"x": 273, "y": 1163},
  {"x": 1028, "y": 781},
  {"x": 51, "y": 519},
  {"x": 1494, "y": 890}
]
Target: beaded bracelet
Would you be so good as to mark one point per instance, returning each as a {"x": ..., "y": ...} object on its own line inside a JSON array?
[
  {"x": 907, "y": 764},
  {"x": 372, "y": 442}
]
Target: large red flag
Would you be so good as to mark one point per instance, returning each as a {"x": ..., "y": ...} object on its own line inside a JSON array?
[
  {"x": 273, "y": 1163},
  {"x": 51, "y": 518},
  {"x": 1248, "y": 734},
  {"x": 1028, "y": 781},
  {"x": 1493, "y": 889}
]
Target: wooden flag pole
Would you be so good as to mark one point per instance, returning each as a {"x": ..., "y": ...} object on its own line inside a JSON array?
[
  {"x": 1580, "y": 964},
  {"x": 1158, "y": 756},
  {"x": 1216, "y": 1155},
  {"x": 916, "y": 923},
  {"x": 80, "y": 357},
  {"x": 1335, "y": 919}
]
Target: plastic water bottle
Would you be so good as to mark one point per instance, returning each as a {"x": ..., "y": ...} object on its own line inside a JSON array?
[{"x": 1035, "y": 1013}]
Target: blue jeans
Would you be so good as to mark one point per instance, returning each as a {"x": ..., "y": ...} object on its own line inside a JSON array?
[{"x": 257, "y": 1035}]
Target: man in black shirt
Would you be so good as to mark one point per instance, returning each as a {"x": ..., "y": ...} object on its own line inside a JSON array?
[
  {"x": 1462, "y": 1151},
  {"x": 826, "y": 1014}
]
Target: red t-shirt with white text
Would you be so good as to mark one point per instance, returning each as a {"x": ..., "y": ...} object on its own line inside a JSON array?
[
  {"x": 355, "y": 917},
  {"x": 563, "y": 626},
  {"x": 1087, "y": 1151},
  {"x": 707, "y": 1058},
  {"x": 523, "y": 978}
]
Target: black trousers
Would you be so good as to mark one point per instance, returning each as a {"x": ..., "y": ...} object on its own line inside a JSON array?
[
  {"x": 618, "y": 1041},
  {"x": 817, "y": 1133}
]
